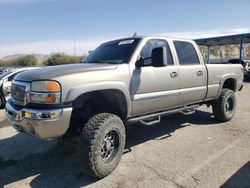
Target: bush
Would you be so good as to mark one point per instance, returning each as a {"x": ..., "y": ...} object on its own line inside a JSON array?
[
  {"x": 61, "y": 59},
  {"x": 8, "y": 63},
  {"x": 28, "y": 60}
]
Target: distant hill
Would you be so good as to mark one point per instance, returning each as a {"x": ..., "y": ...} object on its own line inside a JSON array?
[{"x": 40, "y": 57}]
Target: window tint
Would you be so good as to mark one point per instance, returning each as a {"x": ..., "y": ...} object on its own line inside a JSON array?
[
  {"x": 146, "y": 51},
  {"x": 113, "y": 52},
  {"x": 186, "y": 53}
]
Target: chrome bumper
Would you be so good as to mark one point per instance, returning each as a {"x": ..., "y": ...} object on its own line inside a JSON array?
[{"x": 45, "y": 124}]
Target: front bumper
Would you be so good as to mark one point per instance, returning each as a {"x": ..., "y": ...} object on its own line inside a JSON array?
[{"x": 44, "y": 124}]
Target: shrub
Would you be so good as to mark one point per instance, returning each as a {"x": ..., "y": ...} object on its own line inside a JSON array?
[
  {"x": 28, "y": 60},
  {"x": 60, "y": 59}
]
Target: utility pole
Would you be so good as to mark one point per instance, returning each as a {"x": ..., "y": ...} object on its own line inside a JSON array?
[{"x": 75, "y": 42}]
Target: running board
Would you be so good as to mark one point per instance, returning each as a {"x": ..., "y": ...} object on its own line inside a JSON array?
[
  {"x": 187, "y": 110},
  {"x": 149, "y": 123}
]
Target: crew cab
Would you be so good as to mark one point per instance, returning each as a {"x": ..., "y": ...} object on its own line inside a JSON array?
[{"x": 121, "y": 82}]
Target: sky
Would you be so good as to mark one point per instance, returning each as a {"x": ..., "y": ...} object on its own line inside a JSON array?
[{"x": 48, "y": 26}]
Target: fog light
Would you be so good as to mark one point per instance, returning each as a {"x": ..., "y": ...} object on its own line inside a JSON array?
[{"x": 38, "y": 115}]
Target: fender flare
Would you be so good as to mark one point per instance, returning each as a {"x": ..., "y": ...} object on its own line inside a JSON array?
[
  {"x": 83, "y": 88},
  {"x": 223, "y": 79}
]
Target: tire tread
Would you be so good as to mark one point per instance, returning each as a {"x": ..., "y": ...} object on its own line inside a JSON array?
[
  {"x": 218, "y": 105},
  {"x": 90, "y": 133}
]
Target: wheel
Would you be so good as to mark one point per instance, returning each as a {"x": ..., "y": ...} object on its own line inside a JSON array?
[
  {"x": 102, "y": 142},
  {"x": 224, "y": 107}
]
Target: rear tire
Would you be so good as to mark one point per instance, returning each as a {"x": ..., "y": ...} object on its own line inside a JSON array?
[
  {"x": 102, "y": 142},
  {"x": 224, "y": 107}
]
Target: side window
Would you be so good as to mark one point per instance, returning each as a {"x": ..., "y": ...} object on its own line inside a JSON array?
[
  {"x": 146, "y": 54},
  {"x": 146, "y": 51},
  {"x": 163, "y": 43},
  {"x": 186, "y": 53}
]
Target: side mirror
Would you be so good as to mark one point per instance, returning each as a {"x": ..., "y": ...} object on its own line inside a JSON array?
[
  {"x": 139, "y": 63},
  {"x": 159, "y": 57}
]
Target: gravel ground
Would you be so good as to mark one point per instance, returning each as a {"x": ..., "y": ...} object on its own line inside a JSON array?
[
  {"x": 3, "y": 121},
  {"x": 181, "y": 151}
]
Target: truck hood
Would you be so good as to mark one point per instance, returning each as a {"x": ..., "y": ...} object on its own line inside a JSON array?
[{"x": 55, "y": 71}]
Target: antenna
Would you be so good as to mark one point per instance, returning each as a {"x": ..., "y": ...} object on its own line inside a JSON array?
[{"x": 135, "y": 34}]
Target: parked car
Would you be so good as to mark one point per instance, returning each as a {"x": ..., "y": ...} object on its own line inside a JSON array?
[
  {"x": 122, "y": 82},
  {"x": 247, "y": 75},
  {"x": 245, "y": 64},
  {"x": 3, "y": 70},
  {"x": 5, "y": 83}
]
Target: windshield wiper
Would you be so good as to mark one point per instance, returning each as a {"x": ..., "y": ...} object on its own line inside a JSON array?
[{"x": 103, "y": 62}]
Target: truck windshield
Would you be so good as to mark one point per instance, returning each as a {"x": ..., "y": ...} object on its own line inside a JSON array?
[{"x": 114, "y": 52}]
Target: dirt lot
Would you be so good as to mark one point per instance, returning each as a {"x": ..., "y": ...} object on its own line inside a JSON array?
[{"x": 181, "y": 151}]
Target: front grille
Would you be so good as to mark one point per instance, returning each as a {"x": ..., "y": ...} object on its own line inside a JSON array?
[{"x": 18, "y": 92}]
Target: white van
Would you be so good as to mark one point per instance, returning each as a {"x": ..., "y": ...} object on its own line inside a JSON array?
[{"x": 5, "y": 82}]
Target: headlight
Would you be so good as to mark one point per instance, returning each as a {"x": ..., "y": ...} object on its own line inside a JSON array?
[
  {"x": 45, "y": 86},
  {"x": 45, "y": 92}
]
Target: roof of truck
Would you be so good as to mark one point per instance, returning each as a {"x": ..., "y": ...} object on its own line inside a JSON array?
[{"x": 148, "y": 37}]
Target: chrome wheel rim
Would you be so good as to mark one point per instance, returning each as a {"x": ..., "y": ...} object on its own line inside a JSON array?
[{"x": 109, "y": 146}]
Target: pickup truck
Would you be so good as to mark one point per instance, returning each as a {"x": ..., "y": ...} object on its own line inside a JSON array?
[{"x": 124, "y": 81}]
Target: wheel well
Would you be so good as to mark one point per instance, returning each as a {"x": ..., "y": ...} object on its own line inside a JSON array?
[
  {"x": 229, "y": 84},
  {"x": 91, "y": 103}
]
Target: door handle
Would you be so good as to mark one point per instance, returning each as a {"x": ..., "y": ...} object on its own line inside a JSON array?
[
  {"x": 199, "y": 73},
  {"x": 173, "y": 74}
]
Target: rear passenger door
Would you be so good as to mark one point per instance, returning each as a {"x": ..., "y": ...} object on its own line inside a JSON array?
[{"x": 193, "y": 74}]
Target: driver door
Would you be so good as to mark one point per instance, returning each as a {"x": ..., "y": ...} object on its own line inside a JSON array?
[{"x": 154, "y": 88}]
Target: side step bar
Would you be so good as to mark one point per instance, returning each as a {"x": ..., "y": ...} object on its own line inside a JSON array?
[{"x": 186, "y": 110}]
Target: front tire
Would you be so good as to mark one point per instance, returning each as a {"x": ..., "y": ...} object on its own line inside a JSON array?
[
  {"x": 102, "y": 142},
  {"x": 224, "y": 107}
]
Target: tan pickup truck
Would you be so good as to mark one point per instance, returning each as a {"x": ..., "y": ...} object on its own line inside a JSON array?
[{"x": 122, "y": 82}]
